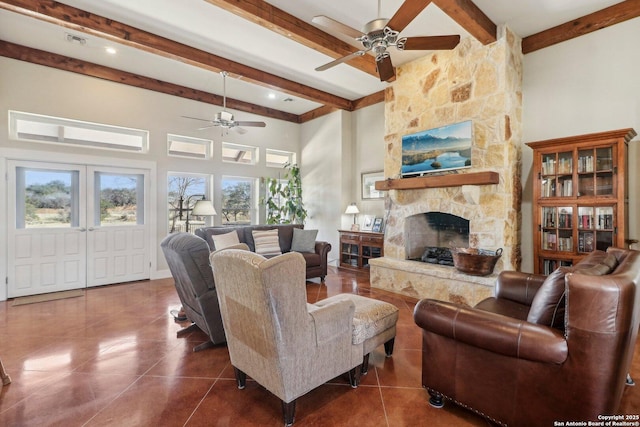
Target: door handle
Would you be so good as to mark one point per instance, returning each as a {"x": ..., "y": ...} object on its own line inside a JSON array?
[
  {"x": 91, "y": 228},
  {"x": 82, "y": 229}
]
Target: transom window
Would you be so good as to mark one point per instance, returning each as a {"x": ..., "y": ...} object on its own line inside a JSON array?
[
  {"x": 279, "y": 158},
  {"x": 242, "y": 154},
  {"x": 186, "y": 146},
  {"x": 38, "y": 128}
]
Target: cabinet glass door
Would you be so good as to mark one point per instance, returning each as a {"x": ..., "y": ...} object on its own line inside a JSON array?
[{"x": 557, "y": 228}]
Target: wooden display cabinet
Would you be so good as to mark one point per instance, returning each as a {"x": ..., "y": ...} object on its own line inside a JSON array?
[
  {"x": 358, "y": 247},
  {"x": 580, "y": 196}
]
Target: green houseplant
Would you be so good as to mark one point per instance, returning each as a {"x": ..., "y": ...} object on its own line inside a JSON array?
[{"x": 284, "y": 198}]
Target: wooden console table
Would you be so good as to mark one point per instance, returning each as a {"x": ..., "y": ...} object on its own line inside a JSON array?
[{"x": 358, "y": 247}]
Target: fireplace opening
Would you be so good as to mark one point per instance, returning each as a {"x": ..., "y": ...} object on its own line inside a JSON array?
[{"x": 428, "y": 237}]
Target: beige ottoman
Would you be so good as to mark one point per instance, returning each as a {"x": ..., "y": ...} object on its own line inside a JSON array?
[{"x": 374, "y": 323}]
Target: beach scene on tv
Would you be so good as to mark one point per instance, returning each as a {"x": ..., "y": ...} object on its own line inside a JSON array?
[{"x": 435, "y": 150}]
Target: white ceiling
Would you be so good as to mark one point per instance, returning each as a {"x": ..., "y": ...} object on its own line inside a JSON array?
[{"x": 209, "y": 28}]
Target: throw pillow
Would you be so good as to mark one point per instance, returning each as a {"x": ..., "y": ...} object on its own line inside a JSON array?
[
  {"x": 266, "y": 242},
  {"x": 221, "y": 241},
  {"x": 304, "y": 240},
  {"x": 548, "y": 306}
]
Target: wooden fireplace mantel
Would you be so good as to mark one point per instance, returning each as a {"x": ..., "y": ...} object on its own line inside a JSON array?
[{"x": 438, "y": 181}]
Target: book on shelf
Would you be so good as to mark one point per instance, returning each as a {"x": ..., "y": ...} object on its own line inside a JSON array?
[
  {"x": 549, "y": 166},
  {"x": 585, "y": 164},
  {"x": 567, "y": 188},
  {"x": 565, "y": 165},
  {"x": 605, "y": 222},
  {"x": 585, "y": 242},
  {"x": 549, "y": 241},
  {"x": 565, "y": 244},
  {"x": 564, "y": 219},
  {"x": 586, "y": 221}
]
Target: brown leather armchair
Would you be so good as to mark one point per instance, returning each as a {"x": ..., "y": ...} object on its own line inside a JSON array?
[{"x": 505, "y": 359}]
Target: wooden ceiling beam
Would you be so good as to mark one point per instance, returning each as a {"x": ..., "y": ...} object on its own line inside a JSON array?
[
  {"x": 279, "y": 21},
  {"x": 60, "y": 62},
  {"x": 83, "y": 21},
  {"x": 471, "y": 18},
  {"x": 407, "y": 13},
  {"x": 363, "y": 102},
  {"x": 604, "y": 18}
]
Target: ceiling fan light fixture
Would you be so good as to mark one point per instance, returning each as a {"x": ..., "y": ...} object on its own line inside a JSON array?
[{"x": 377, "y": 36}]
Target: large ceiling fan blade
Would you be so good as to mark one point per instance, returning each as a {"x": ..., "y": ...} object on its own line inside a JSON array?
[
  {"x": 250, "y": 124},
  {"x": 407, "y": 13},
  {"x": 431, "y": 42},
  {"x": 385, "y": 69},
  {"x": 239, "y": 130},
  {"x": 340, "y": 60},
  {"x": 334, "y": 25},
  {"x": 196, "y": 118},
  {"x": 207, "y": 127}
]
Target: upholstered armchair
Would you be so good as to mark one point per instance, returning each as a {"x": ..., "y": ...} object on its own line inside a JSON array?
[
  {"x": 544, "y": 349},
  {"x": 188, "y": 259},
  {"x": 286, "y": 345}
]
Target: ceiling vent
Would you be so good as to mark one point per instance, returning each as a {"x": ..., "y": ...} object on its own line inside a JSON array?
[{"x": 72, "y": 38}]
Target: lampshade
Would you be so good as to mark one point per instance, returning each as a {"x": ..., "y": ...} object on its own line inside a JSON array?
[
  {"x": 203, "y": 208},
  {"x": 352, "y": 209}
]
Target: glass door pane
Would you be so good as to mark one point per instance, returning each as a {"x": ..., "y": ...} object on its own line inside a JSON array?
[
  {"x": 47, "y": 198},
  {"x": 119, "y": 199}
]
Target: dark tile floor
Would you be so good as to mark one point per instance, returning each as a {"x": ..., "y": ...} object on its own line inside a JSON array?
[{"x": 112, "y": 358}]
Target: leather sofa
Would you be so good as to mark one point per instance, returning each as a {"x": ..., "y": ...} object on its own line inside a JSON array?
[
  {"x": 316, "y": 262},
  {"x": 544, "y": 349}
]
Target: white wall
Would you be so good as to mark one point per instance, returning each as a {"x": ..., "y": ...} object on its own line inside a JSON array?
[
  {"x": 336, "y": 149},
  {"x": 588, "y": 84},
  {"x": 37, "y": 89},
  {"x": 369, "y": 150},
  {"x": 326, "y": 175}
]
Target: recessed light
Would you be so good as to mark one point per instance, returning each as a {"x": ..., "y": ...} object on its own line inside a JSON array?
[
  {"x": 110, "y": 50},
  {"x": 272, "y": 96}
]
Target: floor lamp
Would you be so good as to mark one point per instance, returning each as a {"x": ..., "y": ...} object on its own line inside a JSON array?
[{"x": 202, "y": 207}]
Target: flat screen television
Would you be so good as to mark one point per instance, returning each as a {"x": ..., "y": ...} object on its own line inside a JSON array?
[{"x": 435, "y": 150}]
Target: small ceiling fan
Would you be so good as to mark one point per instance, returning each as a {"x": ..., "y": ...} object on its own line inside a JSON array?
[
  {"x": 224, "y": 119},
  {"x": 381, "y": 33}
]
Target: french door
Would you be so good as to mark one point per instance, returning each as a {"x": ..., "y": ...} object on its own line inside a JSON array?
[{"x": 73, "y": 226}]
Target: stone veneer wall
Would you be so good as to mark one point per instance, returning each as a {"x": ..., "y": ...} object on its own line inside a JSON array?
[{"x": 472, "y": 82}]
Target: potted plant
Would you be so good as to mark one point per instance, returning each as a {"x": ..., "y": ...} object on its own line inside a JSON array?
[{"x": 284, "y": 198}]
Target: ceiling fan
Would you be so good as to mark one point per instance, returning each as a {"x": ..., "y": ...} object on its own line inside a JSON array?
[
  {"x": 224, "y": 119},
  {"x": 381, "y": 33}
]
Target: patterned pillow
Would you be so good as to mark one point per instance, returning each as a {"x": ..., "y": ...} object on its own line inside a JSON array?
[
  {"x": 266, "y": 242},
  {"x": 304, "y": 240},
  {"x": 221, "y": 241}
]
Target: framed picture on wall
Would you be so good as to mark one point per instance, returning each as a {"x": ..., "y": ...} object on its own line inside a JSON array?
[
  {"x": 367, "y": 222},
  {"x": 377, "y": 225},
  {"x": 369, "y": 185}
]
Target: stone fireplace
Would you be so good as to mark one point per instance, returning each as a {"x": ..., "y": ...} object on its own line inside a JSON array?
[
  {"x": 476, "y": 82},
  {"x": 428, "y": 236}
]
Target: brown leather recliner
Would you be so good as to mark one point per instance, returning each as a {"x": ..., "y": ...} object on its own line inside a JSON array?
[
  {"x": 188, "y": 259},
  {"x": 505, "y": 360}
]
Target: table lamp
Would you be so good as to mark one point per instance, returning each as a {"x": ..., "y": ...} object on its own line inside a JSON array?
[{"x": 352, "y": 209}]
